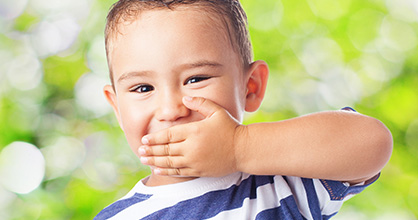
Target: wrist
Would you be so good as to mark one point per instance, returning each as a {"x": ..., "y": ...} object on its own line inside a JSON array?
[{"x": 241, "y": 142}]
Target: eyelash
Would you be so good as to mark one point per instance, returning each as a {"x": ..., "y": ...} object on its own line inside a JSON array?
[
  {"x": 196, "y": 79},
  {"x": 144, "y": 88},
  {"x": 140, "y": 88}
]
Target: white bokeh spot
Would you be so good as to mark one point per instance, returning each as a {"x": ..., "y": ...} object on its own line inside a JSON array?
[
  {"x": 54, "y": 35},
  {"x": 63, "y": 157},
  {"x": 89, "y": 94},
  {"x": 22, "y": 167},
  {"x": 12, "y": 9}
]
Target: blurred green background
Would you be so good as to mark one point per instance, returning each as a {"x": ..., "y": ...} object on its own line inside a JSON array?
[{"x": 63, "y": 155}]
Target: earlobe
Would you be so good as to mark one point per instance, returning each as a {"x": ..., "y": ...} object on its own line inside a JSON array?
[
  {"x": 110, "y": 95},
  {"x": 256, "y": 85}
]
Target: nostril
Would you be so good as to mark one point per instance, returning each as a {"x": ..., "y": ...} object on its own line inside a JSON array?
[{"x": 172, "y": 112}]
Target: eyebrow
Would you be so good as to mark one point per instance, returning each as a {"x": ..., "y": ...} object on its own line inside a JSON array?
[
  {"x": 198, "y": 64},
  {"x": 133, "y": 74},
  {"x": 202, "y": 63}
]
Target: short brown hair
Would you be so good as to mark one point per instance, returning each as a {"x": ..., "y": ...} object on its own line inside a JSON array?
[{"x": 229, "y": 10}]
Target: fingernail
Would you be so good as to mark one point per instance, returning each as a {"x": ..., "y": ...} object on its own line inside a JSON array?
[
  {"x": 142, "y": 151},
  {"x": 144, "y": 160},
  {"x": 187, "y": 98},
  {"x": 145, "y": 140}
]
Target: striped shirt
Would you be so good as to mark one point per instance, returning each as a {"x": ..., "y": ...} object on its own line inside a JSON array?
[{"x": 236, "y": 196}]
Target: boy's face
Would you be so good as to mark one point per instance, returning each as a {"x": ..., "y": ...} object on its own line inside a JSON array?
[{"x": 165, "y": 55}]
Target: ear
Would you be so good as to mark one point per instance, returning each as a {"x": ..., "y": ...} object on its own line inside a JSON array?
[
  {"x": 257, "y": 76},
  {"x": 111, "y": 97}
]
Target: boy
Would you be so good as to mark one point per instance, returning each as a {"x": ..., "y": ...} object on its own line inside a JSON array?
[{"x": 182, "y": 76}]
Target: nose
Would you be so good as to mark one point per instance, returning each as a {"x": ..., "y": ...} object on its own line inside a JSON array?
[{"x": 171, "y": 107}]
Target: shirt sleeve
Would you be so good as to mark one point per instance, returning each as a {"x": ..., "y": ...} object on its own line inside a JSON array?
[
  {"x": 332, "y": 194},
  {"x": 342, "y": 190},
  {"x": 322, "y": 199},
  {"x": 347, "y": 108}
]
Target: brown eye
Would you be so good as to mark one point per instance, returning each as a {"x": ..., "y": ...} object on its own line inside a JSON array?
[
  {"x": 196, "y": 79},
  {"x": 143, "y": 88}
]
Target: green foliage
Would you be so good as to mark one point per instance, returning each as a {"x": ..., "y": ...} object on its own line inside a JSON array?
[{"x": 322, "y": 55}]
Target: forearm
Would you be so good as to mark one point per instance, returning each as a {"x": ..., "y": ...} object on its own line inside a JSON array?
[{"x": 333, "y": 145}]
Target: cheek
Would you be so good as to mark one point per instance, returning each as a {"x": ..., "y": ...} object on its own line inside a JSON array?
[
  {"x": 230, "y": 98},
  {"x": 234, "y": 106},
  {"x": 135, "y": 123}
]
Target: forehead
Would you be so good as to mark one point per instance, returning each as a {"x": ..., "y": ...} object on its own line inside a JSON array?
[
  {"x": 179, "y": 35},
  {"x": 132, "y": 13},
  {"x": 196, "y": 19}
]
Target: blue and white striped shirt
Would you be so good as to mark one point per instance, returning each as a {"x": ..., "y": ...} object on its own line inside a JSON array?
[{"x": 236, "y": 196}]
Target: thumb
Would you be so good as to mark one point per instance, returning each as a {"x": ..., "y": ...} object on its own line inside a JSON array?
[{"x": 204, "y": 106}]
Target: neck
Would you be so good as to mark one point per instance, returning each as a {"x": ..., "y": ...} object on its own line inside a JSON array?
[{"x": 156, "y": 180}]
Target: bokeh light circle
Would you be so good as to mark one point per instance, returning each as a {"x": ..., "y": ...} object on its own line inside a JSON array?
[
  {"x": 12, "y": 9},
  {"x": 22, "y": 167}
]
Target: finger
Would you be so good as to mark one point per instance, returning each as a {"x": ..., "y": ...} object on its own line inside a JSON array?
[
  {"x": 204, "y": 106},
  {"x": 183, "y": 172},
  {"x": 163, "y": 162},
  {"x": 159, "y": 150},
  {"x": 165, "y": 136}
]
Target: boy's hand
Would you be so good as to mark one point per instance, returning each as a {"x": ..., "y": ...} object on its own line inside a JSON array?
[{"x": 203, "y": 148}]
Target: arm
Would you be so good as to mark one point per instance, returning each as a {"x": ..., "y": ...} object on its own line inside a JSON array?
[{"x": 334, "y": 145}]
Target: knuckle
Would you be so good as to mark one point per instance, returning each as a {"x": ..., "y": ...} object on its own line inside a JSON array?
[
  {"x": 169, "y": 162},
  {"x": 170, "y": 135},
  {"x": 177, "y": 172},
  {"x": 167, "y": 150},
  {"x": 201, "y": 101},
  {"x": 149, "y": 151},
  {"x": 150, "y": 161}
]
